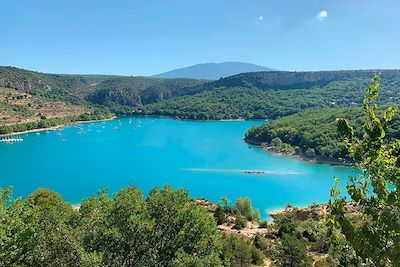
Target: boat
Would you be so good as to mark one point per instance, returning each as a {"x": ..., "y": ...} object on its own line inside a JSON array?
[{"x": 11, "y": 140}]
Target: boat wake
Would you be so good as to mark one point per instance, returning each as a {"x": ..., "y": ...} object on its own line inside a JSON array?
[{"x": 251, "y": 172}]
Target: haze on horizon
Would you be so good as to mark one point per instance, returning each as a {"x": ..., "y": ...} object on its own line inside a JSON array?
[{"x": 145, "y": 38}]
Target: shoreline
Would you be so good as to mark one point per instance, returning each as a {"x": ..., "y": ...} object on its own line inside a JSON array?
[
  {"x": 52, "y": 128},
  {"x": 298, "y": 156},
  {"x": 197, "y": 120},
  {"x": 55, "y": 127}
]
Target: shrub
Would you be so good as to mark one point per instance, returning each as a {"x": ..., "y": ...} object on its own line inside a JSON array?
[
  {"x": 244, "y": 208},
  {"x": 220, "y": 215},
  {"x": 240, "y": 223},
  {"x": 292, "y": 252}
]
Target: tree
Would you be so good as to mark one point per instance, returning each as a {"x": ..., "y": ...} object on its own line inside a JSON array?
[
  {"x": 240, "y": 222},
  {"x": 183, "y": 231},
  {"x": 244, "y": 208},
  {"x": 276, "y": 142},
  {"x": 220, "y": 215},
  {"x": 286, "y": 223},
  {"x": 44, "y": 198},
  {"x": 376, "y": 237},
  {"x": 117, "y": 229},
  {"x": 165, "y": 229},
  {"x": 236, "y": 252},
  {"x": 38, "y": 232},
  {"x": 292, "y": 252},
  {"x": 310, "y": 152}
]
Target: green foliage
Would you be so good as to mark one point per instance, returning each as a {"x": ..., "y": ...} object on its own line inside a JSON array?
[
  {"x": 261, "y": 243},
  {"x": 310, "y": 152},
  {"x": 244, "y": 208},
  {"x": 315, "y": 131},
  {"x": 340, "y": 252},
  {"x": 376, "y": 238},
  {"x": 106, "y": 90},
  {"x": 164, "y": 229},
  {"x": 36, "y": 233},
  {"x": 44, "y": 198},
  {"x": 276, "y": 142},
  {"x": 240, "y": 222},
  {"x": 267, "y": 95},
  {"x": 292, "y": 252},
  {"x": 237, "y": 252},
  {"x": 220, "y": 215},
  {"x": 257, "y": 256},
  {"x": 279, "y": 146},
  {"x": 286, "y": 224},
  {"x": 315, "y": 233}
]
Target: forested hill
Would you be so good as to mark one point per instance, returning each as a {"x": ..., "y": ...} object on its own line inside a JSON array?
[
  {"x": 313, "y": 133},
  {"x": 300, "y": 80},
  {"x": 266, "y": 95},
  {"x": 31, "y": 100},
  {"x": 97, "y": 89},
  {"x": 37, "y": 82},
  {"x": 270, "y": 95}
]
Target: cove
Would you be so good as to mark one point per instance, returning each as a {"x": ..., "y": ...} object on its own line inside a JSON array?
[{"x": 205, "y": 158}]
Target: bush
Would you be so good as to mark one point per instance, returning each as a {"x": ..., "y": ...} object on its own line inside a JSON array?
[
  {"x": 236, "y": 251},
  {"x": 286, "y": 224},
  {"x": 220, "y": 215},
  {"x": 240, "y": 223},
  {"x": 257, "y": 256},
  {"x": 261, "y": 243},
  {"x": 263, "y": 224},
  {"x": 244, "y": 208},
  {"x": 292, "y": 252}
]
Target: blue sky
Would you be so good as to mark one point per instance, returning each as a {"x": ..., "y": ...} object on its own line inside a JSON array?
[{"x": 152, "y": 36}]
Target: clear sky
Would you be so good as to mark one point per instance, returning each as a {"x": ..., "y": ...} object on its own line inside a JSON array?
[{"x": 151, "y": 36}]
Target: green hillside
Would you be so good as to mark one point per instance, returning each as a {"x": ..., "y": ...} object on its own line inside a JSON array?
[
  {"x": 97, "y": 89},
  {"x": 270, "y": 95},
  {"x": 258, "y": 95},
  {"x": 313, "y": 133}
]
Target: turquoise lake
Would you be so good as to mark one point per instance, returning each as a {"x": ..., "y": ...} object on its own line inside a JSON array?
[{"x": 205, "y": 158}]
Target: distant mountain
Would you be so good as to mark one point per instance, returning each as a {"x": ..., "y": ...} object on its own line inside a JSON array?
[{"x": 212, "y": 71}]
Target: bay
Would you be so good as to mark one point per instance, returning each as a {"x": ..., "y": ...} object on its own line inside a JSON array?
[{"x": 205, "y": 158}]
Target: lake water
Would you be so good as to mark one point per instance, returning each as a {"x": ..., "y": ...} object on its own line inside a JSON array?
[{"x": 205, "y": 158}]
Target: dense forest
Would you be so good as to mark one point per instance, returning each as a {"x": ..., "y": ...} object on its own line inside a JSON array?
[
  {"x": 250, "y": 96},
  {"x": 312, "y": 133}
]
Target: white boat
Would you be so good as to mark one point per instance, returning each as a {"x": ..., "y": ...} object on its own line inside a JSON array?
[{"x": 11, "y": 140}]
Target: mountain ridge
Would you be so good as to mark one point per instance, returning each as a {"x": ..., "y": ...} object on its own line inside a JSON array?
[{"x": 212, "y": 71}]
